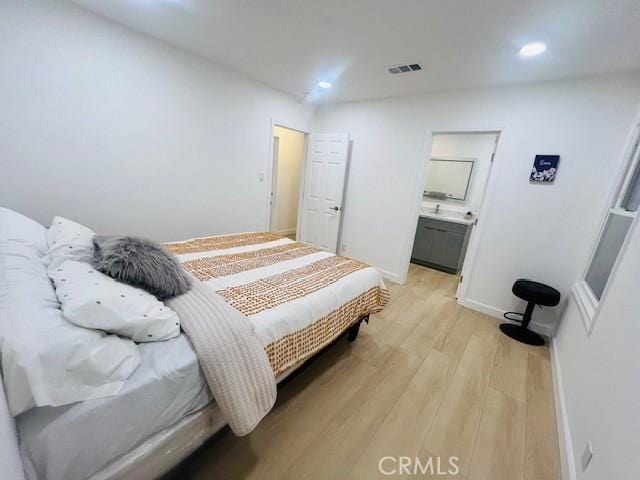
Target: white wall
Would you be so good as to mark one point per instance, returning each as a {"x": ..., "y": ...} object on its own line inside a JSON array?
[
  {"x": 600, "y": 382},
  {"x": 538, "y": 231},
  {"x": 290, "y": 161},
  {"x": 471, "y": 145},
  {"x": 125, "y": 133}
]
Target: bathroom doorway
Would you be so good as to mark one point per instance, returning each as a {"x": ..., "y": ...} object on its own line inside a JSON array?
[{"x": 457, "y": 175}]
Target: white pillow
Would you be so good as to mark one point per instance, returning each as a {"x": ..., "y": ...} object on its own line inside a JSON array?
[
  {"x": 92, "y": 299},
  {"x": 45, "y": 359},
  {"x": 68, "y": 240},
  {"x": 21, "y": 229}
]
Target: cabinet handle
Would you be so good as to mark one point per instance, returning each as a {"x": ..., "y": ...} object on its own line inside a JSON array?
[{"x": 440, "y": 230}]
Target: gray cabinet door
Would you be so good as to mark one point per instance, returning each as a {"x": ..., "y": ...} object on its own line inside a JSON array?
[
  {"x": 423, "y": 242},
  {"x": 446, "y": 248}
]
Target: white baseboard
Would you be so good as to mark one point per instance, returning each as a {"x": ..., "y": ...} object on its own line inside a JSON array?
[
  {"x": 289, "y": 231},
  {"x": 567, "y": 462},
  {"x": 394, "y": 277},
  {"x": 543, "y": 328}
]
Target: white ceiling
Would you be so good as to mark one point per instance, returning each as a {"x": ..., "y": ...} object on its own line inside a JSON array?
[{"x": 292, "y": 44}]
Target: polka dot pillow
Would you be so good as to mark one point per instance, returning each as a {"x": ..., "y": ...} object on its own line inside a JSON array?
[
  {"x": 91, "y": 299},
  {"x": 67, "y": 240}
]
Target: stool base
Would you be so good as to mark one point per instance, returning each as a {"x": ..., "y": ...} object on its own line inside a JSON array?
[{"x": 523, "y": 335}]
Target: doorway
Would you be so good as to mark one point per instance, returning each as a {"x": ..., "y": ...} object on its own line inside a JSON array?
[
  {"x": 307, "y": 182},
  {"x": 457, "y": 174},
  {"x": 286, "y": 181}
]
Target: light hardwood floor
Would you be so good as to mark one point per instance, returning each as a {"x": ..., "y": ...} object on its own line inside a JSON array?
[{"x": 425, "y": 378}]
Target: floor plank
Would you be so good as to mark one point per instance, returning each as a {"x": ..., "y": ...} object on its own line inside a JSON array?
[
  {"x": 510, "y": 368},
  {"x": 454, "y": 340},
  {"x": 542, "y": 460},
  {"x": 403, "y": 430},
  {"x": 456, "y": 425},
  {"x": 499, "y": 451}
]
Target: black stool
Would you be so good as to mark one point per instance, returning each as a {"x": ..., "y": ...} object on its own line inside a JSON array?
[{"x": 535, "y": 294}]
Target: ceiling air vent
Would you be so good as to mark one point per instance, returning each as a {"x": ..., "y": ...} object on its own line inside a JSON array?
[{"x": 404, "y": 68}]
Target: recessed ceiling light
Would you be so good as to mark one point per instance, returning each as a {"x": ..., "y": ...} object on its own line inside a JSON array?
[
  {"x": 325, "y": 85},
  {"x": 532, "y": 49}
]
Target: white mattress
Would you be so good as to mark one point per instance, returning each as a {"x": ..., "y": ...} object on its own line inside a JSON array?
[{"x": 74, "y": 441}]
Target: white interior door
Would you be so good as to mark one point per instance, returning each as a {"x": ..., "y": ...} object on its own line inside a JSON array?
[{"x": 323, "y": 189}]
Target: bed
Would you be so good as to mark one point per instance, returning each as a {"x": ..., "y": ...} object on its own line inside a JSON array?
[{"x": 299, "y": 299}]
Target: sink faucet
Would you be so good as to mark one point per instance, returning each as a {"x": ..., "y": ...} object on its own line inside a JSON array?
[{"x": 437, "y": 208}]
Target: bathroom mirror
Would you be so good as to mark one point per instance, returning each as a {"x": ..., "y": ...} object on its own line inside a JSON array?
[{"x": 449, "y": 178}]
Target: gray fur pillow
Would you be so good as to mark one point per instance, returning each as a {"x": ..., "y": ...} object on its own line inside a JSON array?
[{"x": 142, "y": 263}]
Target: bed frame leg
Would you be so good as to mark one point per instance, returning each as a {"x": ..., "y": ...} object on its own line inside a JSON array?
[
  {"x": 353, "y": 331},
  {"x": 355, "y": 328}
]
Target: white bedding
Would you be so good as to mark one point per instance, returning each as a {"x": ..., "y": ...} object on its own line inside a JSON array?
[
  {"x": 74, "y": 441},
  {"x": 45, "y": 359},
  {"x": 303, "y": 299}
]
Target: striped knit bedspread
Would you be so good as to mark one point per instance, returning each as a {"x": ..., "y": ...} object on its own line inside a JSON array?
[{"x": 297, "y": 297}]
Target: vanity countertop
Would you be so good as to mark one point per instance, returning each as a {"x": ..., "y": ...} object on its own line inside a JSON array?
[{"x": 447, "y": 216}]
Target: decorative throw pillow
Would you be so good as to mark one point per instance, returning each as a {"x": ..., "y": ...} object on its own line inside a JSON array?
[
  {"x": 68, "y": 240},
  {"x": 142, "y": 263},
  {"x": 91, "y": 299}
]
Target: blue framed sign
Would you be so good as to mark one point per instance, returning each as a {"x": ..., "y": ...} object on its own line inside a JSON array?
[{"x": 545, "y": 168}]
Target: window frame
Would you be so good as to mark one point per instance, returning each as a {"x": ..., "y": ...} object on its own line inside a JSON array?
[{"x": 586, "y": 300}]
